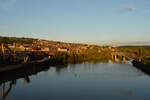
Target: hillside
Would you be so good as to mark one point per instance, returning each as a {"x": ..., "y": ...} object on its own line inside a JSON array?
[{"x": 22, "y": 40}]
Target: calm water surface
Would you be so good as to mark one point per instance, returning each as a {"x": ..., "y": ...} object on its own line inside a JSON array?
[{"x": 86, "y": 81}]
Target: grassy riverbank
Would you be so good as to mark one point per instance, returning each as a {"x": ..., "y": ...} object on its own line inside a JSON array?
[{"x": 73, "y": 57}]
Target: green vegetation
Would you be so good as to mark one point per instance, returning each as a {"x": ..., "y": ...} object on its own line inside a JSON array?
[
  {"x": 10, "y": 40},
  {"x": 89, "y": 55},
  {"x": 141, "y": 51}
]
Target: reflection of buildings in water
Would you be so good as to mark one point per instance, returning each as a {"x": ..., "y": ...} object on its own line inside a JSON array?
[{"x": 11, "y": 77}]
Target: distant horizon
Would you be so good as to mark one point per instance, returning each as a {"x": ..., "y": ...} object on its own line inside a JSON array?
[{"x": 101, "y": 43}]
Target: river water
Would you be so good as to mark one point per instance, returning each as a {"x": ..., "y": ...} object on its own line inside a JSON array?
[{"x": 85, "y": 81}]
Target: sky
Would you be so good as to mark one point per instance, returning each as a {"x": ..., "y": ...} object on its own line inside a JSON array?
[{"x": 84, "y": 21}]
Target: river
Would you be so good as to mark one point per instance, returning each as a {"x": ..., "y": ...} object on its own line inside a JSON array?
[{"x": 85, "y": 81}]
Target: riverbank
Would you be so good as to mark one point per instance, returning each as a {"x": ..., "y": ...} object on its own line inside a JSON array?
[{"x": 145, "y": 67}]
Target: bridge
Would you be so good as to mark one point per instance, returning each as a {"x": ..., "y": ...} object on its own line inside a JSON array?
[{"x": 123, "y": 55}]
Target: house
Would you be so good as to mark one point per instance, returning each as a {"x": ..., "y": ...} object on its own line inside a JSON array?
[
  {"x": 45, "y": 49},
  {"x": 28, "y": 47},
  {"x": 109, "y": 47},
  {"x": 11, "y": 46},
  {"x": 21, "y": 48},
  {"x": 52, "y": 54},
  {"x": 17, "y": 47},
  {"x": 62, "y": 49}
]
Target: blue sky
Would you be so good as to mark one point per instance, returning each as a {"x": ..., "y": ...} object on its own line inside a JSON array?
[{"x": 86, "y": 21}]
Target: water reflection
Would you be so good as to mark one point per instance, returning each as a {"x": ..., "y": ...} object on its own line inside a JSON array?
[
  {"x": 91, "y": 78},
  {"x": 6, "y": 92},
  {"x": 10, "y": 77},
  {"x": 86, "y": 69}
]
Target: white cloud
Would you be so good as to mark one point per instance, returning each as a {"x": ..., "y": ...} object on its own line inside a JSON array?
[
  {"x": 128, "y": 8},
  {"x": 6, "y": 4}
]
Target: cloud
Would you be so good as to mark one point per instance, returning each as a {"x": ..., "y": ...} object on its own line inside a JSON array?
[
  {"x": 6, "y": 4},
  {"x": 128, "y": 8}
]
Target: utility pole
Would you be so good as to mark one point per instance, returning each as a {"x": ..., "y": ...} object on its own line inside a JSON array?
[{"x": 3, "y": 51}]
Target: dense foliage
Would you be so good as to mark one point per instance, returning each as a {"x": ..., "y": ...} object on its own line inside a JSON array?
[
  {"x": 90, "y": 55},
  {"x": 10, "y": 40},
  {"x": 143, "y": 51}
]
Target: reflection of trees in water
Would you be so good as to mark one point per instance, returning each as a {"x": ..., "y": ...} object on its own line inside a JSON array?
[
  {"x": 59, "y": 68},
  {"x": 88, "y": 67},
  {"x": 144, "y": 69},
  {"x": 10, "y": 78},
  {"x": 70, "y": 66},
  {"x": 92, "y": 61}
]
